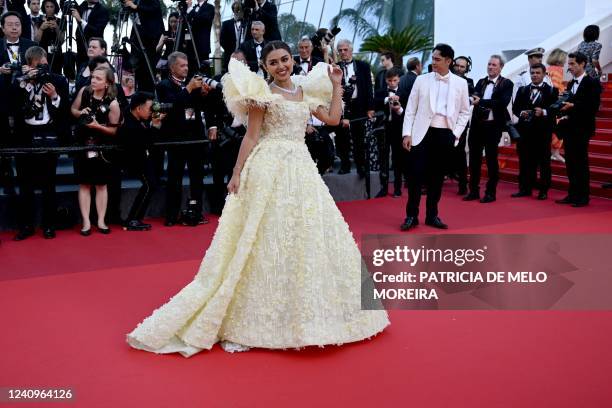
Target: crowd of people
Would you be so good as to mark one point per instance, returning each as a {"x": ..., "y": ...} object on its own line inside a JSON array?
[{"x": 163, "y": 90}]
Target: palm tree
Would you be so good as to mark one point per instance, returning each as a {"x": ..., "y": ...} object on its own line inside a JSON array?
[
  {"x": 408, "y": 41},
  {"x": 217, "y": 31}
]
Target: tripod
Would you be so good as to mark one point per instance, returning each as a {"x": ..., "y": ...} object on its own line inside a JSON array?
[
  {"x": 180, "y": 30},
  {"x": 123, "y": 20},
  {"x": 65, "y": 36}
]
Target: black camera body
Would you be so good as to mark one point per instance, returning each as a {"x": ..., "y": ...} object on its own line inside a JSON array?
[
  {"x": 87, "y": 118},
  {"x": 229, "y": 134},
  {"x": 161, "y": 107},
  {"x": 555, "y": 108},
  {"x": 328, "y": 37},
  {"x": 15, "y": 68},
  {"x": 529, "y": 117}
]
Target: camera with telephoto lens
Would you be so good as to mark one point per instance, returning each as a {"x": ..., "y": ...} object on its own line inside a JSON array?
[
  {"x": 161, "y": 107},
  {"x": 209, "y": 81},
  {"x": 327, "y": 37},
  {"x": 15, "y": 68},
  {"x": 192, "y": 216},
  {"x": 555, "y": 108},
  {"x": 41, "y": 77},
  {"x": 69, "y": 5},
  {"x": 227, "y": 135}
]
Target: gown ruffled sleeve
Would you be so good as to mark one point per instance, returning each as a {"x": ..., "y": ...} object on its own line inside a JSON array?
[
  {"x": 317, "y": 86},
  {"x": 242, "y": 89}
]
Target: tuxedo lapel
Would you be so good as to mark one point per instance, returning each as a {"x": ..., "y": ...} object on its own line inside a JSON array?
[
  {"x": 450, "y": 100},
  {"x": 432, "y": 92}
]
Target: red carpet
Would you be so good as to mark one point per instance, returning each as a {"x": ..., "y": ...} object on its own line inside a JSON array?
[{"x": 67, "y": 303}]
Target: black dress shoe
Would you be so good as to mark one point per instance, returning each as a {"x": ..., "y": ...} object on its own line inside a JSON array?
[
  {"x": 104, "y": 231},
  {"x": 382, "y": 193},
  {"x": 578, "y": 204},
  {"x": 436, "y": 222},
  {"x": 169, "y": 222},
  {"x": 397, "y": 193},
  {"x": 409, "y": 222},
  {"x": 543, "y": 195},
  {"x": 136, "y": 225},
  {"x": 566, "y": 200},
  {"x": 471, "y": 197},
  {"x": 521, "y": 194},
  {"x": 488, "y": 198},
  {"x": 24, "y": 233},
  {"x": 48, "y": 233},
  {"x": 86, "y": 232}
]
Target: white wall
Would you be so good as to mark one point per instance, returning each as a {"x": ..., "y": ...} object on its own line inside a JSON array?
[{"x": 479, "y": 28}]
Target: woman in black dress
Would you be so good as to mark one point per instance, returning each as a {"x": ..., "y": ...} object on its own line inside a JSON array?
[
  {"x": 48, "y": 33},
  {"x": 98, "y": 114}
]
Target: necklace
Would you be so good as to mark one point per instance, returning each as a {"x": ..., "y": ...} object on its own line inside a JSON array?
[{"x": 289, "y": 91}]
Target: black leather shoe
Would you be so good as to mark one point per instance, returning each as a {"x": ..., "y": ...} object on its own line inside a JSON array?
[
  {"x": 397, "y": 193},
  {"x": 24, "y": 233},
  {"x": 566, "y": 200},
  {"x": 578, "y": 204},
  {"x": 409, "y": 222},
  {"x": 521, "y": 194},
  {"x": 382, "y": 193},
  {"x": 543, "y": 195},
  {"x": 48, "y": 233},
  {"x": 136, "y": 225},
  {"x": 488, "y": 198},
  {"x": 104, "y": 231},
  {"x": 436, "y": 222},
  {"x": 471, "y": 197},
  {"x": 170, "y": 223}
]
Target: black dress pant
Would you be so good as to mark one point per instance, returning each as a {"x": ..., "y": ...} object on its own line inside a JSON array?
[
  {"x": 146, "y": 174},
  {"x": 36, "y": 170},
  {"x": 223, "y": 162},
  {"x": 321, "y": 148},
  {"x": 355, "y": 134},
  {"x": 484, "y": 135},
  {"x": 178, "y": 156},
  {"x": 534, "y": 153},
  {"x": 577, "y": 163},
  {"x": 427, "y": 165},
  {"x": 391, "y": 141}
]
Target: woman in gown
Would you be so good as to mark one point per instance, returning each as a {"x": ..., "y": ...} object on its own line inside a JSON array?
[{"x": 283, "y": 269}]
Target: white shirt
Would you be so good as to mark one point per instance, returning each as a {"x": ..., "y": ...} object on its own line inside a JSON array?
[
  {"x": 401, "y": 109},
  {"x": 350, "y": 71},
  {"x": 577, "y": 83},
  {"x": 439, "y": 119},
  {"x": 197, "y": 6},
  {"x": 86, "y": 13},
  {"x": 488, "y": 93},
  {"x": 34, "y": 28},
  {"x": 13, "y": 52},
  {"x": 239, "y": 33}
]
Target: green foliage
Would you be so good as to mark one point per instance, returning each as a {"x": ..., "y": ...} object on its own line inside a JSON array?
[
  {"x": 292, "y": 29},
  {"x": 400, "y": 43}
]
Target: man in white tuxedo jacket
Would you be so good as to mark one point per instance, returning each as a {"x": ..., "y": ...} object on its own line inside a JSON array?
[{"x": 436, "y": 115}]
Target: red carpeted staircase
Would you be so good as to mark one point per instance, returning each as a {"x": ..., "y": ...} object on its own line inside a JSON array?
[{"x": 600, "y": 154}]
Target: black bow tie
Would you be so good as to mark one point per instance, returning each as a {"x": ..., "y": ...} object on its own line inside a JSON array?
[
  {"x": 538, "y": 87},
  {"x": 393, "y": 90},
  {"x": 258, "y": 44},
  {"x": 12, "y": 44},
  {"x": 305, "y": 62},
  {"x": 490, "y": 82}
]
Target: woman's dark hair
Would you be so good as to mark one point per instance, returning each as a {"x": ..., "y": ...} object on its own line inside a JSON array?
[
  {"x": 173, "y": 14},
  {"x": 271, "y": 46},
  {"x": 591, "y": 33},
  {"x": 55, "y": 6},
  {"x": 389, "y": 56},
  {"x": 95, "y": 61}
]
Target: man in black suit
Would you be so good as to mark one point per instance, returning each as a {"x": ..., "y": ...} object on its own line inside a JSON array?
[
  {"x": 413, "y": 70},
  {"x": 40, "y": 122},
  {"x": 489, "y": 118},
  {"x": 92, "y": 18},
  {"x": 577, "y": 127},
  {"x": 266, "y": 12},
  {"x": 461, "y": 67},
  {"x": 252, "y": 48},
  {"x": 305, "y": 61},
  {"x": 33, "y": 20},
  {"x": 233, "y": 33},
  {"x": 150, "y": 26},
  {"x": 19, "y": 7},
  {"x": 387, "y": 61},
  {"x": 184, "y": 121},
  {"x": 358, "y": 103},
  {"x": 200, "y": 15},
  {"x": 535, "y": 124},
  {"x": 388, "y": 100}
]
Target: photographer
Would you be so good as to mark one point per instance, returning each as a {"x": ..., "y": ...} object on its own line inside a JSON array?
[
  {"x": 322, "y": 42},
  {"x": 48, "y": 33},
  {"x": 266, "y": 12},
  {"x": 252, "y": 47},
  {"x": 233, "y": 32},
  {"x": 165, "y": 46},
  {"x": 137, "y": 134},
  {"x": 305, "y": 61},
  {"x": 532, "y": 107},
  {"x": 98, "y": 112},
  {"x": 389, "y": 101},
  {"x": 358, "y": 103},
  {"x": 184, "y": 122},
  {"x": 92, "y": 18},
  {"x": 43, "y": 99},
  {"x": 96, "y": 48},
  {"x": 149, "y": 23},
  {"x": 200, "y": 15},
  {"x": 34, "y": 19}
]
